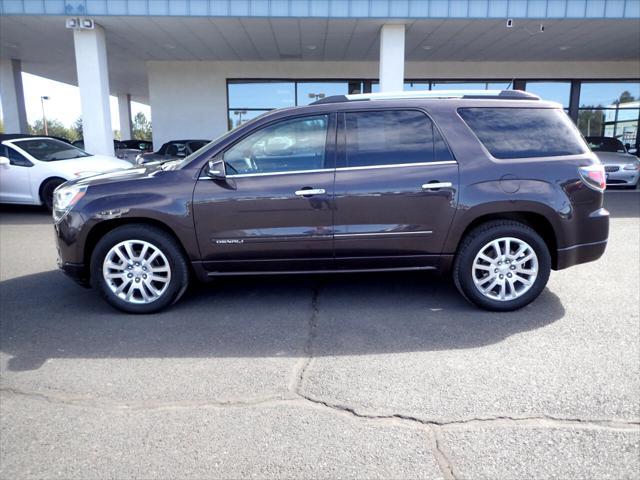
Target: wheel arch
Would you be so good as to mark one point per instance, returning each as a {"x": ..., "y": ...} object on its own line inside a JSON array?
[
  {"x": 44, "y": 182},
  {"x": 100, "y": 229},
  {"x": 535, "y": 220}
]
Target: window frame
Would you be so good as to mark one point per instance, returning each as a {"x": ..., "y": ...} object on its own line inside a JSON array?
[
  {"x": 330, "y": 146},
  {"x": 10, "y": 148},
  {"x": 341, "y": 158}
]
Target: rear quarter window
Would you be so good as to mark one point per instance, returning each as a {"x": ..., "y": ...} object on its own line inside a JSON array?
[{"x": 524, "y": 132}]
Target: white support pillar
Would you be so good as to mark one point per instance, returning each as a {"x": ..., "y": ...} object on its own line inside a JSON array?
[
  {"x": 124, "y": 110},
  {"x": 93, "y": 82},
  {"x": 12, "y": 95},
  {"x": 392, "y": 58}
]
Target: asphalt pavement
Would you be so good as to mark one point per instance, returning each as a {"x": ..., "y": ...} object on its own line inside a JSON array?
[{"x": 352, "y": 376}]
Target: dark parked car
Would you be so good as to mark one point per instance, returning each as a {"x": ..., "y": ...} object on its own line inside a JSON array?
[
  {"x": 499, "y": 188},
  {"x": 172, "y": 150},
  {"x": 119, "y": 148},
  {"x": 142, "y": 145}
]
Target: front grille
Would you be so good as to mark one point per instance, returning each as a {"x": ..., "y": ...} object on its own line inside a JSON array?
[{"x": 611, "y": 168}]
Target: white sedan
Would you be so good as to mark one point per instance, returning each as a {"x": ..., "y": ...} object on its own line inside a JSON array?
[{"x": 31, "y": 168}]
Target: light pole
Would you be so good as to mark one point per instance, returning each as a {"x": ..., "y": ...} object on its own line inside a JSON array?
[
  {"x": 316, "y": 96},
  {"x": 239, "y": 113},
  {"x": 44, "y": 118}
]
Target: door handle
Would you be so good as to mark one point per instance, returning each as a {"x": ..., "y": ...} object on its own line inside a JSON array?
[
  {"x": 310, "y": 192},
  {"x": 436, "y": 185}
]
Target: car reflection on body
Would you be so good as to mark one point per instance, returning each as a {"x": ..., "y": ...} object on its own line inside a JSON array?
[{"x": 172, "y": 150}]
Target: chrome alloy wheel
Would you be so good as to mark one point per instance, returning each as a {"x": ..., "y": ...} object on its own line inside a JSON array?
[
  {"x": 505, "y": 269},
  {"x": 136, "y": 271}
]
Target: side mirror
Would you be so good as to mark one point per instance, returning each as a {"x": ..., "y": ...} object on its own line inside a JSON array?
[
  {"x": 627, "y": 146},
  {"x": 216, "y": 169},
  {"x": 4, "y": 161}
]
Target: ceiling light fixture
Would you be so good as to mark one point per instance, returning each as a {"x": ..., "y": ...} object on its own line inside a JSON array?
[
  {"x": 427, "y": 47},
  {"x": 311, "y": 47},
  {"x": 564, "y": 47}
]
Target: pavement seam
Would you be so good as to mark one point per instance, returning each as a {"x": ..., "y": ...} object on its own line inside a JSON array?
[{"x": 301, "y": 368}]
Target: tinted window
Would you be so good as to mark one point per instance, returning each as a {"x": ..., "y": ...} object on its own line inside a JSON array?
[
  {"x": 49, "y": 149},
  {"x": 392, "y": 137},
  {"x": 16, "y": 158},
  {"x": 605, "y": 144},
  {"x": 524, "y": 132},
  {"x": 289, "y": 145}
]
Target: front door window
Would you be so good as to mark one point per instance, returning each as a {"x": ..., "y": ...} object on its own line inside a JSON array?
[{"x": 288, "y": 146}]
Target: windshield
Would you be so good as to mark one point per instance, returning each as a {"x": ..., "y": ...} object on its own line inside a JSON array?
[
  {"x": 50, "y": 150},
  {"x": 605, "y": 144}
]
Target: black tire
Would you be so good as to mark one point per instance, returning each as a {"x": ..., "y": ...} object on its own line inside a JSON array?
[
  {"x": 159, "y": 239},
  {"x": 46, "y": 191},
  {"x": 472, "y": 244}
]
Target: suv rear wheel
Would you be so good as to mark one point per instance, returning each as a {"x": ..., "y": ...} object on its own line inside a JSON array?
[
  {"x": 139, "y": 269},
  {"x": 502, "y": 265}
]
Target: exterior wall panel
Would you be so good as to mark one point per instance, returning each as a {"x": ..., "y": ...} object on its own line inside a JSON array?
[
  {"x": 189, "y": 99},
  {"x": 334, "y": 9}
]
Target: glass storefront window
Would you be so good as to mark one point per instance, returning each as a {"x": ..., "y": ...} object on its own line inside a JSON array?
[
  {"x": 411, "y": 86},
  {"x": 239, "y": 116},
  {"x": 470, "y": 85},
  {"x": 262, "y": 95},
  {"x": 610, "y": 109},
  {"x": 609, "y": 94},
  {"x": 554, "y": 91},
  {"x": 309, "y": 92}
]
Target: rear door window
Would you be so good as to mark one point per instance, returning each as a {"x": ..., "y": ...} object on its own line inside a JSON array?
[
  {"x": 389, "y": 137},
  {"x": 524, "y": 132}
]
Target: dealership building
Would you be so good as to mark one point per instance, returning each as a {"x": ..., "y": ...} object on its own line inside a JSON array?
[{"x": 205, "y": 66}]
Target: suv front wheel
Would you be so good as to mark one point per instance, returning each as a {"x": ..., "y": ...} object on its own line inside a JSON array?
[
  {"x": 139, "y": 269},
  {"x": 502, "y": 265}
]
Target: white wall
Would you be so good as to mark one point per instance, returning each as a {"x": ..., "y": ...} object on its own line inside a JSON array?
[{"x": 189, "y": 99}]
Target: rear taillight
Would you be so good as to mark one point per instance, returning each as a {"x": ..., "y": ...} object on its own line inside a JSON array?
[{"x": 593, "y": 176}]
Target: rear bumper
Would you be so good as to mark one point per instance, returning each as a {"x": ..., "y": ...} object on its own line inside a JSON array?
[{"x": 582, "y": 253}]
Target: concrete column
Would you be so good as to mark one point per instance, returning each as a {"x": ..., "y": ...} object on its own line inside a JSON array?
[
  {"x": 124, "y": 110},
  {"x": 12, "y": 95},
  {"x": 93, "y": 83},
  {"x": 392, "y": 58}
]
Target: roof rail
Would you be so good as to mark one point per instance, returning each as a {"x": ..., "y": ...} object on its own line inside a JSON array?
[{"x": 499, "y": 94}]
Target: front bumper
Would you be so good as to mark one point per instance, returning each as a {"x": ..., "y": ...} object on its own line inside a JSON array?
[
  {"x": 77, "y": 272},
  {"x": 582, "y": 253},
  {"x": 621, "y": 176}
]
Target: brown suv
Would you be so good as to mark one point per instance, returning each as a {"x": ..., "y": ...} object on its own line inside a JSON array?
[{"x": 498, "y": 187}]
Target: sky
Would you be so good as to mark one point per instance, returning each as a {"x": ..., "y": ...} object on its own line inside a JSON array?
[{"x": 64, "y": 101}]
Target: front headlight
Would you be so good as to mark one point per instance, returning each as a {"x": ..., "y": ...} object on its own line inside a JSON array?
[
  {"x": 632, "y": 166},
  {"x": 64, "y": 198}
]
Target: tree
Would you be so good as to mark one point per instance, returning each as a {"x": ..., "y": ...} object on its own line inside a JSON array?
[
  {"x": 55, "y": 129},
  {"x": 590, "y": 121},
  {"x": 77, "y": 128},
  {"x": 1, "y": 126},
  {"x": 141, "y": 127},
  {"x": 626, "y": 97}
]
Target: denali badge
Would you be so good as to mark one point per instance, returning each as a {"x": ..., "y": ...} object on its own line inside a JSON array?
[{"x": 230, "y": 241}]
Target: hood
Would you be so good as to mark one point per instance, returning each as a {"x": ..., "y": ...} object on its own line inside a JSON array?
[
  {"x": 615, "y": 158},
  {"x": 136, "y": 173},
  {"x": 92, "y": 165}
]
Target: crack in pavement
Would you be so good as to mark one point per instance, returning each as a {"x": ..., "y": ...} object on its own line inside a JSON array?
[{"x": 296, "y": 397}]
